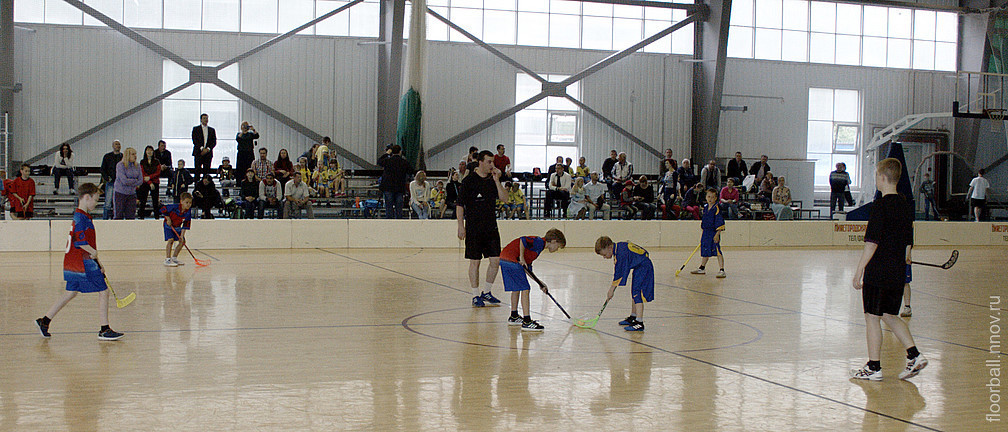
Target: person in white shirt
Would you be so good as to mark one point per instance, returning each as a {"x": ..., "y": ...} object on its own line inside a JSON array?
[
  {"x": 297, "y": 199},
  {"x": 595, "y": 191},
  {"x": 558, "y": 189},
  {"x": 63, "y": 167},
  {"x": 419, "y": 195},
  {"x": 978, "y": 194}
]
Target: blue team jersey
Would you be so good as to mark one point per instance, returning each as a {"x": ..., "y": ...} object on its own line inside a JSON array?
[
  {"x": 712, "y": 219},
  {"x": 628, "y": 256}
]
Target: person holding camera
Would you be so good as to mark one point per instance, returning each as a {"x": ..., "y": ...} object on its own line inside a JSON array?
[{"x": 246, "y": 141}]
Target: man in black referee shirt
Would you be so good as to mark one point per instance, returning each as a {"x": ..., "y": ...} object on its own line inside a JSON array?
[{"x": 477, "y": 224}]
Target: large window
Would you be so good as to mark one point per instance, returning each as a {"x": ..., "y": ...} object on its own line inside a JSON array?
[
  {"x": 843, "y": 33},
  {"x": 181, "y": 112},
  {"x": 834, "y": 132},
  {"x": 546, "y": 129},
  {"x": 552, "y": 23}
]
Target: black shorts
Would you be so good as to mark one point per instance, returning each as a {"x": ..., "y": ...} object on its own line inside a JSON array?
[
  {"x": 482, "y": 243},
  {"x": 878, "y": 300},
  {"x": 982, "y": 203}
]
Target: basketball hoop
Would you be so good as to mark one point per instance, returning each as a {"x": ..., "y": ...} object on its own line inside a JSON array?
[{"x": 997, "y": 117}]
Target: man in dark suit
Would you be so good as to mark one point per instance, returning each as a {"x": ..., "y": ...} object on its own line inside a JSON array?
[{"x": 204, "y": 140}]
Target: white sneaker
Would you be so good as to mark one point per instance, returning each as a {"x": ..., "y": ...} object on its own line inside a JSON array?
[
  {"x": 169, "y": 263},
  {"x": 906, "y": 312},
  {"x": 177, "y": 262},
  {"x": 866, "y": 374},
  {"x": 721, "y": 274},
  {"x": 913, "y": 367},
  {"x": 698, "y": 271}
]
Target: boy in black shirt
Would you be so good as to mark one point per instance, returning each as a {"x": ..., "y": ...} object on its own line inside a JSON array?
[
  {"x": 476, "y": 211},
  {"x": 882, "y": 271}
]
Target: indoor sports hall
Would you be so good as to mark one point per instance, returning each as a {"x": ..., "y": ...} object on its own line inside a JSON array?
[{"x": 277, "y": 204}]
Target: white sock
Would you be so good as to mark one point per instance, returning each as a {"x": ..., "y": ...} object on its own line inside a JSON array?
[
  {"x": 476, "y": 292},
  {"x": 487, "y": 286}
]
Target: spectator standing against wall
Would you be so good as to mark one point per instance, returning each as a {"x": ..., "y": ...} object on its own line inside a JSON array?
[
  {"x": 108, "y": 176},
  {"x": 204, "y": 140},
  {"x": 838, "y": 181},
  {"x": 395, "y": 178},
  {"x": 246, "y": 142},
  {"x": 129, "y": 177},
  {"x": 63, "y": 166}
]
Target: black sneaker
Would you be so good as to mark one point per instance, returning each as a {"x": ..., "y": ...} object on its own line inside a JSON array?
[
  {"x": 531, "y": 325},
  {"x": 636, "y": 326},
  {"x": 478, "y": 302},
  {"x": 628, "y": 321},
  {"x": 489, "y": 299},
  {"x": 43, "y": 327},
  {"x": 514, "y": 320},
  {"x": 109, "y": 335}
]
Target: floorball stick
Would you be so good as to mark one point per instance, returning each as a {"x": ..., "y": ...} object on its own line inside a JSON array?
[
  {"x": 541, "y": 284},
  {"x": 591, "y": 322},
  {"x": 948, "y": 264},
  {"x": 688, "y": 259},
  {"x": 120, "y": 303},
  {"x": 199, "y": 262}
]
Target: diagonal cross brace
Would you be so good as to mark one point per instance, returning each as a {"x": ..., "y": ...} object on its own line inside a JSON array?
[
  {"x": 486, "y": 46},
  {"x": 615, "y": 126},
  {"x": 293, "y": 124},
  {"x": 556, "y": 89}
]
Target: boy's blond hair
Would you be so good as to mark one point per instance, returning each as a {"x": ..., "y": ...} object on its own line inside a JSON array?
[
  {"x": 602, "y": 243},
  {"x": 891, "y": 169},
  {"x": 185, "y": 196},
  {"x": 556, "y": 235}
]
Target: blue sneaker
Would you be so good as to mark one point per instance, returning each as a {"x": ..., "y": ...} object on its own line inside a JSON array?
[
  {"x": 489, "y": 299},
  {"x": 628, "y": 321},
  {"x": 478, "y": 302},
  {"x": 636, "y": 326}
]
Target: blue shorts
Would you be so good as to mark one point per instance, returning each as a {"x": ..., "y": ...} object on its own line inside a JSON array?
[
  {"x": 92, "y": 280},
  {"x": 514, "y": 276},
  {"x": 169, "y": 234},
  {"x": 642, "y": 283},
  {"x": 708, "y": 248},
  {"x": 909, "y": 275}
]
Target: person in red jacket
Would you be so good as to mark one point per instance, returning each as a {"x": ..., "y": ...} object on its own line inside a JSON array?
[{"x": 20, "y": 192}]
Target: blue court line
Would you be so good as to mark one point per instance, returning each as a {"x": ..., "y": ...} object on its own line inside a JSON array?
[
  {"x": 204, "y": 253},
  {"x": 781, "y": 308},
  {"x": 712, "y": 364},
  {"x": 239, "y": 329}
]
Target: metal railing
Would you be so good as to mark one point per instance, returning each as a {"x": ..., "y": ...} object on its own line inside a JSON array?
[
  {"x": 5, "y": 142},
  {"x": 980, "y": 92}
]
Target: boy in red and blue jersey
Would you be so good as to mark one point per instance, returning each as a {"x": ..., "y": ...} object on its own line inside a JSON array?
[
  {"x": 177, "y": 218},
  {"x": 629, "y": 256},
  {"x": 514, "y": 259},
  {"x": 81, "y": 269}
]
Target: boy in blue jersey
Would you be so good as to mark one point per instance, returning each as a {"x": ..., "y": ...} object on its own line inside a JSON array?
[
  {"x": 177, "y": 218},
  {"x": 629, "y": 257},
  {"x": 81, "y": 270},
  {"x": 712, "y": 223}
]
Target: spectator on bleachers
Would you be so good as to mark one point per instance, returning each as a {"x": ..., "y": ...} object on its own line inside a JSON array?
[
  {"x": 569, "y": 164},
  {"x": 419, "y": 191},
  {"x": 582, "y": 170},
  {"x": 179, "y": 182},
  {"x": 437, "y": 199},
  {"x": 644, "y": 198},
  {"x": 471, "y": 161},
  {"x": 108, "y": 176},
  {"x": 337, "y": 184},
  {"x": 322, "y": 157},
  {"x": 297, "y": 199},
  {"x": 626, "y": 201},
  {"x": 838, "y": 181},
  {"x": 693, "y": 200},
  {"x": 20, "y": 192},
  {"x": 394, "y": 181},
  {"x": 502, "y": 162},
  {"x": 607, "y": 166},
  {"x": 322, "y": 179},
  {"x": 781, "y": 205},
  {"x": 249, "y": 193},
  {"x": 309, "y": 157},
  {"x": 129, "y": 177},
  {"x": 558, "y": 190},
  {"x": 595, "y": 192},
  {"x": 730, "y": 198},
  {"x": 226, "y": 176},
  {"x": 759, "y": 169},
  {"x": 165, "y": 158},
  {"x": 304, "y": 171},
  {"x": 151, "y": 168},
  {"x": 206, "y": 196},
  {"x": 669, "y": 182},
  {"x": 452, "y": 190},
  {"x": 283, "y": 168},
  {"x": 622, "y": 171},
  {"x": 553, "y": 168},
  {"x": 246, "y": 142},
  {"x": 63, "y": 167},
  {"x": 262, "y": 166},
  {"x": 578, "y": 206},
  {"x": 270, "y": 196},
  {"x": 766, "y": 188},
  {"x": 687, "y": 178},
  {"x": 517, "y": 206},
  {"x": 662, "y": 167},
  {"x": 737, "y": 168},
  {"x": 710, "y": 176},
  {"x": 462, "y": 169}
]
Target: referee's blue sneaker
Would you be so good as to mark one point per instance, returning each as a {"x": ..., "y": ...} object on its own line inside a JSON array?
[
  {"x": 478, "y": 302},
  {"x": 489, "y": 299}
]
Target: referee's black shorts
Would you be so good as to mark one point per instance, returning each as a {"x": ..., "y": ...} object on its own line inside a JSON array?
[
  {"x": 879, "y": 300},
  {"x": 482, "y": 243}
]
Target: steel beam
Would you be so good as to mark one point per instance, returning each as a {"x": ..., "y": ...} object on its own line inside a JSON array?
[
  {"x": 289, "y": 122},
  {"x": 486, "y": 123},
  {"x": 486, "y": 46},
  {"x": 648, "y": 3},
  {"x": 615, "y": 126},
  {"x": 128, "y": 32},
  {"x": 6, "y": 57},
  {"x": 293, "y": 32},
  {"x": 391, "y": 15},
  {"x": 109, "y": 122},
  {"x": 710, "y": 43}
]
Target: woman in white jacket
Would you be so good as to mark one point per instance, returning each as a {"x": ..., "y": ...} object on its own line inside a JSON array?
[
  {"x": 63, "y": 167},
  {"x": 420, "y": 195}
]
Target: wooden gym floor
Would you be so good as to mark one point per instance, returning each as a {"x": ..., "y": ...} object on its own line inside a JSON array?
[{"x": 336, "y": 339}]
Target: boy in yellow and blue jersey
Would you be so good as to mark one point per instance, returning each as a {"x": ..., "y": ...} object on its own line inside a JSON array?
[{"x": 629, "y": 257}]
